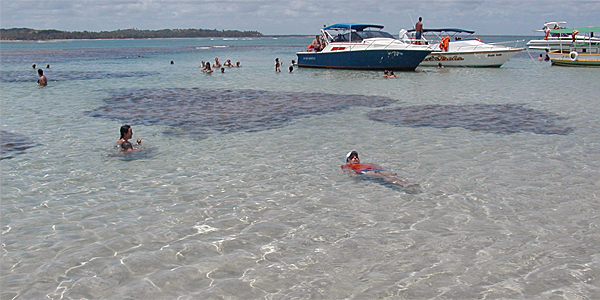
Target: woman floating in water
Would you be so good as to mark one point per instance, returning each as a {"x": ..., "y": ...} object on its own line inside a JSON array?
[{"x": 373, "y": 171}]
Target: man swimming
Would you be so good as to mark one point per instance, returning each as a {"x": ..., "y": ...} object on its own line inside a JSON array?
[{"x": 371, "y": 170}]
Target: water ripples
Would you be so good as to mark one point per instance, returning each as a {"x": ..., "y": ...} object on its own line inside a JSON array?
[{"x": 31, "y": 76}]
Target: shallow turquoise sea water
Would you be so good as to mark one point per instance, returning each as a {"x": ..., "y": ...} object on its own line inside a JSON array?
[{"x": 238, "y": 191}]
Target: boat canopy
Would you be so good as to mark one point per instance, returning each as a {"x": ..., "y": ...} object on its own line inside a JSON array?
[
  {"x": 350, "y": 26},
  {"x": 456, "y": 30},
  {"x": 580, "y": 29}
]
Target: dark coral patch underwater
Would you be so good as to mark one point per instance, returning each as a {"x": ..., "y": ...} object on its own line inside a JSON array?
[
  {"x": 201, "y": 111},
  {"x": 492, "y": 118},
  {"x": 13, "y": 144}
]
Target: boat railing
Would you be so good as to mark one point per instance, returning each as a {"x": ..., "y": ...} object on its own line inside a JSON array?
[
  {"x": 514, "y": 44},
  {"x": 326, "y": 38},
  {"x": 484, "y": 46},
  {"x": 411, "y": 43}
]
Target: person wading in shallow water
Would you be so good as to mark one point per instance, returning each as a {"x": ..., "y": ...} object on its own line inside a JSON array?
[
  {"x": 42, "y": 81},
  {"x": 126, "y": 134},
  {"x": 353, "y": 164}
]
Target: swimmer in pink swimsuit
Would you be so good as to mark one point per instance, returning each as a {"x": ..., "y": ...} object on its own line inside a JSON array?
[{"x": 365, "y": 169}]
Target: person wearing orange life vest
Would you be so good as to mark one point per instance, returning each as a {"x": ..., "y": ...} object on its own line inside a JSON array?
[{"x": 444, "y": 43}]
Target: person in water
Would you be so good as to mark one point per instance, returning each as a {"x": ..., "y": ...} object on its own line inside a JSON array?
[
  {"x": 207, "y": 68},
  {"x": 42, "y": 81},
  {"x": 126, "y": 149},
  {"x": 126, "y": 146},
  {"x": 126, "y": 134},
  {"x": 277, "y": 65},
  {"x": 353, "y": 164}
]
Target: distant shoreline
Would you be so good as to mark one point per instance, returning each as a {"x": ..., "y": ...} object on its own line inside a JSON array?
[
  {"x": 212, "y": 37},
  {"x": 28, "y": 34},
  {"x": 158, "y": 38}
]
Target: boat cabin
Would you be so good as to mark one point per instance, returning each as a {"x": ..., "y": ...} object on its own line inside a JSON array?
[{"x": 358, "y": 36}]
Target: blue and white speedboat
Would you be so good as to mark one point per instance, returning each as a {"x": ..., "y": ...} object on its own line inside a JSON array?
[{"x": 351, "y": 46}]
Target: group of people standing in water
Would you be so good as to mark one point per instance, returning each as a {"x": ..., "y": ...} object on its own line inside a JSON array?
[
  {"x": 278, "y": 65},
  {"x": 208, "y": 68}
]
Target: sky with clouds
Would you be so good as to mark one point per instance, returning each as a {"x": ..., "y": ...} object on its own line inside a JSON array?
[{"x": 273, "y": 17}]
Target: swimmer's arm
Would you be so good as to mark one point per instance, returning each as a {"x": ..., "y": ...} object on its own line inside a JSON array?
[
  {"x": 349, "y": 170},
  {"x": 139, "y": 141}
]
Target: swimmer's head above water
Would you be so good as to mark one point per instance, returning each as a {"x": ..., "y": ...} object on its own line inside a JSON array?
[
  {"x": 352, "y": 157},
  {"x": 126, "y": 132},
  {"x": 127, "y": 146}
]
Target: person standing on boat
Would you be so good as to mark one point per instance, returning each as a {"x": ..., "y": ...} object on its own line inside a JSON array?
[{"x": 419, "y": 29}]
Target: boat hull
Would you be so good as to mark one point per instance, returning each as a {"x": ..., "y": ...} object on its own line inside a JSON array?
[
  {"x": 560, "y": 58},
  {"x": 490, "y": 59},
  {"x": 377, "y": 59}
]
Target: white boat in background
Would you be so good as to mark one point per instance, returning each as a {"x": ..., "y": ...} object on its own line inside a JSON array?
[
  {"x": 556, "y": 41},
  {"x": 458, "y": 49},
  {"x": 357, "y": 46},
  {"x": 581, "y": 52}
]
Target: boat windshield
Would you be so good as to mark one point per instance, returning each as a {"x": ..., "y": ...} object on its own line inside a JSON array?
[
  {"x": 358, "y": 36},
  {"x": 374, "y": 34}
]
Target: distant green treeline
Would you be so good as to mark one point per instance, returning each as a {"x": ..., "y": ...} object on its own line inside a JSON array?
[{"x": 33, "y": 34}]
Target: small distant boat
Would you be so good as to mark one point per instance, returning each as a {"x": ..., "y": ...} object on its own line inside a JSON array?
[
  {"x": 351, "y": 46},
  {"x": 556, "y": 41},
  {"x": 457, "y": 48},
  {"x": 582, "y": 52}
]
